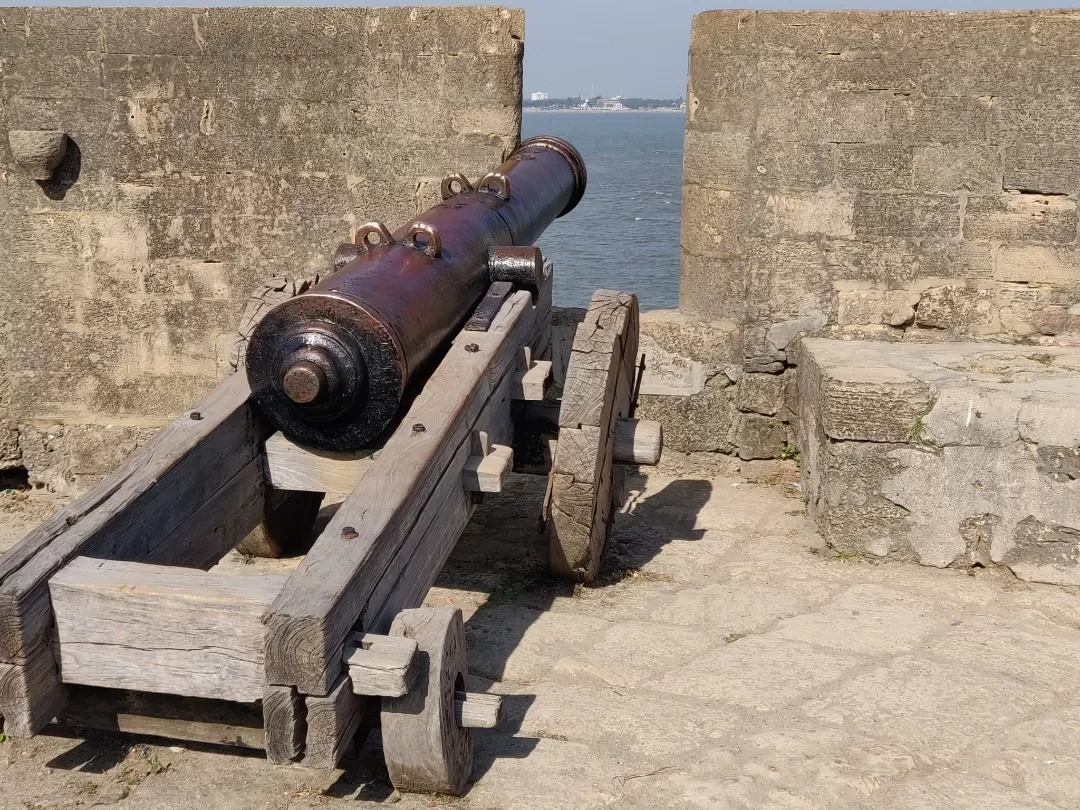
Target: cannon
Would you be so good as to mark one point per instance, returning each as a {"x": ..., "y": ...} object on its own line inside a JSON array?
[
  {"x": 330, "y": 367},
  {"x": 398, "y": 384}
]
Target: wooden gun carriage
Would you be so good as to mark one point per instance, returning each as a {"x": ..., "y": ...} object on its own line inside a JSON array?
[{"x": 112, "y": 615}]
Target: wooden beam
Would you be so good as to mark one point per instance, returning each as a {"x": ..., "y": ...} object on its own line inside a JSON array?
[
  {"x": 146, "y": 504},
  {"x": 477, "y": 710},
  {"x": 420, "y": 558},
  {"x": 284, "y": 719},
  {"x": 31, "y": 694},
  {"x": 154, "y": 628},
  {"x": 173, "y": 502},
  {"x": 332, "y": 722},
  {"x": 638, "y": 441},
  {"x": 381, "y": 665},
  {"x": 218, "y": 722},
  {"x": 323, "y": 599},
  {"x": 291, "y": 466}
]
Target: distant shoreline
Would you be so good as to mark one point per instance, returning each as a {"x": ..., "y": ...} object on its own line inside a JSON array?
[{"x": 616, "y": 112}]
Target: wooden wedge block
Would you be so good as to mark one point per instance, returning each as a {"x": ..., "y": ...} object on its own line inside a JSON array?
[
  {"x": 488, "y": 473},
  {"x": 381, "y": 665},
  {"x": 477, "y": 710}
]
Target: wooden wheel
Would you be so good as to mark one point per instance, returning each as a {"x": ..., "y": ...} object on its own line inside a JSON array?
[
  {"x": 424, "y": 746},
  {"x": 597, "y": 392}
]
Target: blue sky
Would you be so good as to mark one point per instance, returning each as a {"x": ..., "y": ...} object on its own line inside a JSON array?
[{"x": 609, "y": 47}]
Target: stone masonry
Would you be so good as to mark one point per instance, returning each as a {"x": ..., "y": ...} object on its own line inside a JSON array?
[
  {"x": 208, "y": 150},
  {"x": 894, "y": 176},
  {"x": 961, "y": 454}
]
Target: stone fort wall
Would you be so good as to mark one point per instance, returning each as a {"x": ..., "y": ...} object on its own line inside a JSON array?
[
  {"x": 210, "y": 149},
  {"x": 894, "y": 176}
]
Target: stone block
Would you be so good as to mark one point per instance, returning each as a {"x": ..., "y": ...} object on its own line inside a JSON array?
[
  {"x": 1057, "y": 32},
  {"x": 955, "y": 307},
  {"x": 68, "y": 459},
  {"x": 906, "y": 215},
  {"x": 823, "y": 117},
  {"x": 723, "y": 30},
  {"x": 713, "y": 287},
  {"x": 916, "y": 119},
  {"x": 1057, "y": 265},
  {"x": 997, "y": 32},
  {"x": 893, "y": 262},
  {"x": 877, "y": 167},
  {"x": 867, "y": 307},
  {"x": 1019, "y": 216},
  {"x": 826, "y": 212},
  {"x": 1034, "y": 121},
  {"x": 761, "y": 393},
  {"x": 1041, "y": 169},
  {"x": 786, "y": 165},
  {"x": 760, "y": 437},
  {"x": 984, "y": 473},
  {"x": 951, "y": 168},
  {"x": 713, "y": 220},
  {"x": 717, "y": 159}
]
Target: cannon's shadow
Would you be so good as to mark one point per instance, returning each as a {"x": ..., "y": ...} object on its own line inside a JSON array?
[{"x": 501, "y": 567}]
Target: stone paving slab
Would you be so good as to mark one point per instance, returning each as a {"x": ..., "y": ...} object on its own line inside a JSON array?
[{"x": 726, "y": 659}]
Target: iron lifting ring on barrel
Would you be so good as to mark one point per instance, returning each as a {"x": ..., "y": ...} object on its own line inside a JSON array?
[{"x": 330, "y": 367}]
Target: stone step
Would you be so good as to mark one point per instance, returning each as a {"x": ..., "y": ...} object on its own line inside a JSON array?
[{"x": 954, "y": 454}]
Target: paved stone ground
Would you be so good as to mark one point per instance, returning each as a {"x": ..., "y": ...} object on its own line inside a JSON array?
[{"x": 728, "y": 660}]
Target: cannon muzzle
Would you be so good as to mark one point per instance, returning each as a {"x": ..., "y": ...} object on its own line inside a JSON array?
[{"x": 330, "y": 367}]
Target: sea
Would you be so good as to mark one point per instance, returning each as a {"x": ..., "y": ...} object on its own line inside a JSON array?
[{"x": 624, "y": 234}]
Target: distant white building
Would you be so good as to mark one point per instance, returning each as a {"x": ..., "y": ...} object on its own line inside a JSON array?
[
  {"x": 538, "y": 97},
  {"x": 610, "y": 103}
]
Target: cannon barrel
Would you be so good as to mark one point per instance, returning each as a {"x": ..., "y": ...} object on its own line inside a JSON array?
[{"x": 330, "y": 367}]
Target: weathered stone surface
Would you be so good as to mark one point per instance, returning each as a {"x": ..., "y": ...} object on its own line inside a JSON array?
[
  {"x": 210, "y": 149},
  {"x": 761, "y": 393},
  {"x": 895, "y": 176},
  {"x": 1021, "y": 216},
  {"x": 761, "y": 437},
  {"x": 984, "y": 471}
]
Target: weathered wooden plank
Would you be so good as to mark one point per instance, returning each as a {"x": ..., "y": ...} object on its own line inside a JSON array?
[
  {"x": 380, "y": 665},
  {"x": 332, "y": 722},
  {"x": 420, "y": 558},
  {"x": 133, "y": 513},
  {"x": 477, "y": 710},
  {"x": 597, "y": 393},
  {"x": 153, "y": 628},
  {"x": 218, "y": 722},
  {"x": 213, "y": 529},
  {"x": 290, "y": 466},
  {"x": 284, "y": 718},
  {"x": 638, "y": 441},
  {"x": 308, "y": 623}
]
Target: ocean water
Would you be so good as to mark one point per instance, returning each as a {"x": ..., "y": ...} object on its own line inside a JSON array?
[{"x": 624, "y": 234}]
